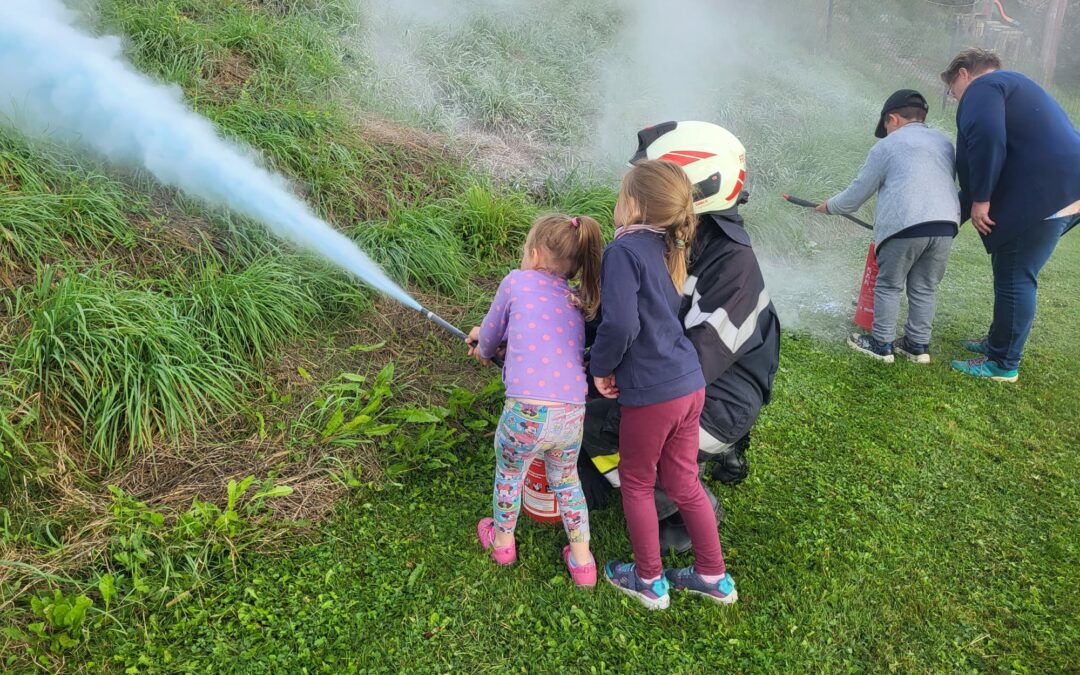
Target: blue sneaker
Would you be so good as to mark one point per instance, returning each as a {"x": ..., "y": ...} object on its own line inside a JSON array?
[
  {"x": 976, "y": 346},
  {"x": 624, "y": 577},
  {"x": 916, "y": 352},
  {"x": 986, "y": 369},
  {"x": 686, "y": 579},
  {"x": 882, "y": 351}
]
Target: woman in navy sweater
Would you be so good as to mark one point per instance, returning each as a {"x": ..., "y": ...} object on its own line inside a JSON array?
[
  {"x": 1018, "y": 161},
  {"x": 642, "y": 357}
]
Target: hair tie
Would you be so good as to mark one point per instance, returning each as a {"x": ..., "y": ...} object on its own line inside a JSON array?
[
  {"x": 574, "y": 223},
  {"x": 680, "y": 243}
]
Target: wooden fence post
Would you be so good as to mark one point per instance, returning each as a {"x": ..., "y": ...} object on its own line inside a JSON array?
[{"x": 1055, "y": 20}]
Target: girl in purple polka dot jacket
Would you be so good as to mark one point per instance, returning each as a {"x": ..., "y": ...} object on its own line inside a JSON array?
[{"x": 539, "y": 320}]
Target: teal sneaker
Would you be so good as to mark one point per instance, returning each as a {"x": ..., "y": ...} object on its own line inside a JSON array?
[
  {"x": 687, "y": 579},
  {"x": 986, "y": 369},
  {"x": 624, "y": 577},
  {"x": 976, "y": 346}
]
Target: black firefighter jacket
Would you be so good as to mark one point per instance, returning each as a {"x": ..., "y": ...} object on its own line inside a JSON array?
[{"x": 729, "y": 317}]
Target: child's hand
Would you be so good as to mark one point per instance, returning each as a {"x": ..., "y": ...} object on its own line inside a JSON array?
[
  {"x": 606, "y": 386},
  {"x": 474, "y": 345},
  {"x": 823, "y": 207}
]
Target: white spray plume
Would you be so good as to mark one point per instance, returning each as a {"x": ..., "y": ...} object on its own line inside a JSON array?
[
  {"x": 58, "y": 81},
  {"x": 671, "y": 61}
]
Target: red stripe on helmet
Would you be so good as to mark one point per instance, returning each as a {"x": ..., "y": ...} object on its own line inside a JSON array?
[
  {"x": 738, "y": 185},
  {"x": 684, "y": 157}
]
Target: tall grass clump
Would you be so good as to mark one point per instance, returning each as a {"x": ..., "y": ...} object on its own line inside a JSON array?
[
  {"x": 50, "y": 204},
  {"x": 123, "y": 365},
  {"x": 338, "y": 294},
  {"x": 418, "y": 245},
  {"x": 20, "y": 456},
  {"x": 491, "y": 224},
  {"x": 510, "y": 72},
  {"x": 580, "y": 196},
  {"x": 252, "y": 309}
]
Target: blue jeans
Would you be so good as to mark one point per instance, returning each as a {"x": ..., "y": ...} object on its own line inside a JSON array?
[{"x": 1016, "y": 273}]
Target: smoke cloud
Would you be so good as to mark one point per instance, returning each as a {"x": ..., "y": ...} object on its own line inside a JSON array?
[
  {"x": 758, "y": 69},
  {"x": 58, "y": 81}
]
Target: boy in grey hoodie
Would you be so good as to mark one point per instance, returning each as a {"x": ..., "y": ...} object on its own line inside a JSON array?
[{"x": 912, "y": 170}]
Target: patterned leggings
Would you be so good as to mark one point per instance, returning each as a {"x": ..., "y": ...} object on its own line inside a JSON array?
[{"x": 555, "y": 430}]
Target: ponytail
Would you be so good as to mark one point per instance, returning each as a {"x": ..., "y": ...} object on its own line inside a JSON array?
[
  {"x": 662, "y": 196},
  {"x": 678, "y": 238},
  {"x": 572, "y": 247},
  {"x": 590, "y": 249}
]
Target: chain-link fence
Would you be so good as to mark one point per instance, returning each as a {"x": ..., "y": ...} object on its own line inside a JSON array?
[{"x": 913, "y": 40}]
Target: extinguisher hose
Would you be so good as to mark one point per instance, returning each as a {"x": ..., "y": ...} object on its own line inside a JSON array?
[{"x": 813, "y": 205}]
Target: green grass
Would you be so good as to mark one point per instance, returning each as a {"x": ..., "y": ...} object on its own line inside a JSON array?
[
  {"x": 254, "y": 310},
  {"x": 499, "y": 70},
  {"x": 900, "y": 519},
  {"x": 53, "y": 207},
  {"x": 122, "y": 366},
  {"x": 20, "y": 458},
  {"x": 895, "y": 519}
]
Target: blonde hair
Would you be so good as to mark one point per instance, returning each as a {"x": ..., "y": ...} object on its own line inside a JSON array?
[
  {"x": 657, "y": 192},
  {"x": 572, "y": 249}
]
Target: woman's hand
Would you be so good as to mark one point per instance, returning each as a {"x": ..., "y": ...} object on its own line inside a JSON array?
[
  {"x": 980, "y": 217},
  {"x": 606, "y": 386},
  {"x": 473, "y": 340}
]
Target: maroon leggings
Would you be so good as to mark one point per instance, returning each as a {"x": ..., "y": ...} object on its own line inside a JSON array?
[{"x": 663, "y": 438}]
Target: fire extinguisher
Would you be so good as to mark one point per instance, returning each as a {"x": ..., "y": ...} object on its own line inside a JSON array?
[
  {"x": 537, "y": 499},
  {"x": 864, "y": 308}
]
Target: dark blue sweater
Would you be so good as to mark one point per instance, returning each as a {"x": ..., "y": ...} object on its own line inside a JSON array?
[
  {"x": 640, "y": 337},
  {"x": 1017, "y": 149}
]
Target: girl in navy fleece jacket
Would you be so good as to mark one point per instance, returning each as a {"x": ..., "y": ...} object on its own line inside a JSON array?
[{"x": 642, "y": 357}]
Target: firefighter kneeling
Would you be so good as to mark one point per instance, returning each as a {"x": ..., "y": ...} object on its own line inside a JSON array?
[{"x": 727, "y": 315}]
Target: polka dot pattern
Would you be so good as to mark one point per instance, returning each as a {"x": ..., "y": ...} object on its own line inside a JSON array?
[{"x": 543, "y": 331}]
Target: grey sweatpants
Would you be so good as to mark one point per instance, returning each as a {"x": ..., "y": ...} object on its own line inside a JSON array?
[{"x": 918, "y": 263}]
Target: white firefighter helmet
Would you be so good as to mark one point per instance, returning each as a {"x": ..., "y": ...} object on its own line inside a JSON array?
[{"x": 711, "y": 156}]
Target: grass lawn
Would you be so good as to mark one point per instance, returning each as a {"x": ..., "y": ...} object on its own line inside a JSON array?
[
  {"x": 155, "y": 352},
  {"x": 895, "y": 518}
]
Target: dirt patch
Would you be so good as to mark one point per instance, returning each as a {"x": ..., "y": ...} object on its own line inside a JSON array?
[
  {"x": 228, "y": 76},
  {"x": 381, "y": 132},
  {"x": 508, "y": 158}
]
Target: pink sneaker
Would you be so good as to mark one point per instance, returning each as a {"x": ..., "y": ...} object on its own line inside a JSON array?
[
  {"x": 504, "y": 555},
  {"x": 583, "y": 575}
]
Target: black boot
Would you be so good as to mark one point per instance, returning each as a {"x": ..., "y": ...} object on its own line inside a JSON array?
[
  {"x": 673, "y": 532},
  {"x": 731, "y": 467},
  {"x": 674, "y": 535}
]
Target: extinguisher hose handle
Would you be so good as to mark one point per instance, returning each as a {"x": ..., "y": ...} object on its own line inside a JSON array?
[{"x": 813, "y": 205}]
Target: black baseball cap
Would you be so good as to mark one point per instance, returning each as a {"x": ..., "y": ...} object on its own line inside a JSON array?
[{"x": 901, "y": 99}]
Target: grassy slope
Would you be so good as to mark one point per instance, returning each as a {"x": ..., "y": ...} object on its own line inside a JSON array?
[
  {"x": 896, "y": 518},
  {"x": 901, "y": 518}
]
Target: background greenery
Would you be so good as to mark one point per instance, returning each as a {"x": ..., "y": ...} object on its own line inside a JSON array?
[{"x": 217, "y": 453}]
